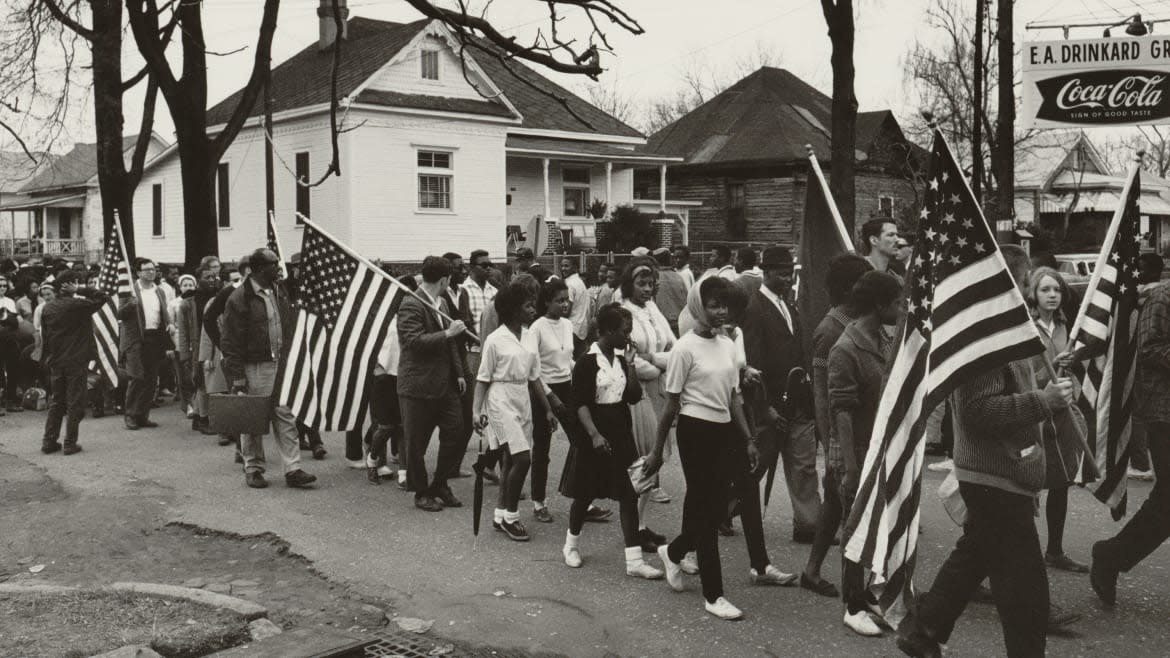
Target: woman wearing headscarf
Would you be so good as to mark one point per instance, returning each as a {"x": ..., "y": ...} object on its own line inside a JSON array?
[
  {"x": 702, "y": 381},
  {"x": 652, "y": 340}
]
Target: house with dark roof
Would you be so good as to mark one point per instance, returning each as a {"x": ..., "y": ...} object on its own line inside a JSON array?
[
  {"x": 54, "y": 208},
  {"x": 1065, "y": 186},
  {"x": 438, "y": 153},
  {"x": 745, "y": 165}
]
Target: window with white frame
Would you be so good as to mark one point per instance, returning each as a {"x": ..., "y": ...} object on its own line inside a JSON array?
[
  {"x": 885, "y": 206},
  {"x": 435, "y": 180},
  {"x": 429, "y": 63},
  {"x": 575, "y": 184}
]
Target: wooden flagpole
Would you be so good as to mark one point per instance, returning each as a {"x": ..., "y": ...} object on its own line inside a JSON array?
[
  {"x": 125, "y": 255},
  {"x": 386, "y": 275},
  {"x": 276, "y": 241},
  {"x": 842, "y": 232}
]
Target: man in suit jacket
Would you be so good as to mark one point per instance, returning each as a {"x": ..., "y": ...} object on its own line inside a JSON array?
[
  {"x": 430, "y": 382},
  {"x": 144, "y": 343},
  {"x": 772, "y": 340},
  {"x": 458, "y": 299}
]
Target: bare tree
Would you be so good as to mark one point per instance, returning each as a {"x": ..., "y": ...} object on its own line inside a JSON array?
[
  {"x": 36, "y": 24},
  {"x": 839, "y": 18},
  {"x": 612, "y": 100},
  {"x": 1119, "y": 151}
]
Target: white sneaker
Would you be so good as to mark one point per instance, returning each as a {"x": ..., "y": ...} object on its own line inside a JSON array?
[
  {"x": 385, "y": 471},
  {"x": 572, "y": 556},
  {"x": 723, "y": 609},
  {"x": 943, "y": 466},
  {"x": 689, "y": 564},
  {"x": 643, "y": 570},
  {"x": 861, "y": 623},
  {"x": 773, "y": 576},
  {"x": 673, "y": 571},
  {"x": 356, "y": 463},
  {"x": 657, "y": 495}
]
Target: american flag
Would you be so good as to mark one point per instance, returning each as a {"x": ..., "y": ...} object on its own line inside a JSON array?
[
  {"x": 342, "y": 320},
  {"x": 965, "y": 316},
  {"x": 274, "y": 244},
  {"x": 113, "y": 280},
  {"x": 1105, "y": 334}
]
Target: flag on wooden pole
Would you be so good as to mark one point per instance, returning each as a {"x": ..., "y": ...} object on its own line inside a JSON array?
[
  {"x": 965, "y": 316},
  {"x": 114, "y": 281},
  {"x": 274, "y": 245},
  {"x": 822, "y": 236},
  {"x": 1105, "y": 334}
]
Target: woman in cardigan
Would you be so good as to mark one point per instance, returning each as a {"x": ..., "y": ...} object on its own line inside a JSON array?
[
  {"x": 651, "y": 340},
  {"x": 1047, "y": 290}
]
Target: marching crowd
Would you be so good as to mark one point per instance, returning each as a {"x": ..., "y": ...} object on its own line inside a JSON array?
[{"x": 638, "y": 365}]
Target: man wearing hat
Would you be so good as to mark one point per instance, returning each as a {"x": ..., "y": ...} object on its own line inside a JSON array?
[
  {"x": 524, "y": 259},
  {"x": 772, "y": 340},
  {"x": 68, "y": 349},
  {"x": 671, "y": 295}
]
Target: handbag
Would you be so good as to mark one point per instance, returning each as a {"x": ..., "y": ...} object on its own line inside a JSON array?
[{"x": 239, "y": 414}]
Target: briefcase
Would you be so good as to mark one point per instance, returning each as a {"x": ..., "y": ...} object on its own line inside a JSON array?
[{"x": 239, "y": 414}]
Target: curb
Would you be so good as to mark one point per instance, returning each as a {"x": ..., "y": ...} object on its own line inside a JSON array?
[{"x": 247, "y": 609}]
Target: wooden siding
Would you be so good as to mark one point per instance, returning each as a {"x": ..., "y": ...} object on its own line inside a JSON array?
[{"x": 405, "y": 75}]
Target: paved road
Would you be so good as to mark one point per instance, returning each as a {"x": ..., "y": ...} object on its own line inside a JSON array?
[{"x": 522, "y": 596}]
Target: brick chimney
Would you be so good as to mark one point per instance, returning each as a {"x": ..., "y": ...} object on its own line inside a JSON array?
[{"x": 328, "y": 30}]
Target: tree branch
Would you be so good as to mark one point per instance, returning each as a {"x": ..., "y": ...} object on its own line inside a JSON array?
[
  {"x": 67, "y": 20},
  {"x": 145, "y": 133},
  {"x": 16, "y": 136},
  {"x": 256, "y": 81},
  {"x": 146, "y": 31}
]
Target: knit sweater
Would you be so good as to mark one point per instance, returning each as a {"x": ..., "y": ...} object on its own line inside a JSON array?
[{"x": 998, "y": 437}]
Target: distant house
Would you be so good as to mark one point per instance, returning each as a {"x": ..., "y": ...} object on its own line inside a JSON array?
[
  {"x": 436, "y": 156},
  {"x": 1065, "y": 186},
  {"x": 56, "y": 209},
  {"x": 746, "y": 166}
]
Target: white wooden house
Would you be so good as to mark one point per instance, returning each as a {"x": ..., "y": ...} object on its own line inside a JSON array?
[{"x": 436, "y": 156}]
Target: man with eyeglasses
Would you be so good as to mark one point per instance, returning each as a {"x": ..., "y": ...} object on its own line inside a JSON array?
[
  {"x": 480, "y": 293},
  {"x": 258, "y": 325},
  {"x": 144, "y": 343}
]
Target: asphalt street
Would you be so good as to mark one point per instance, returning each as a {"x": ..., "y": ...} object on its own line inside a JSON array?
[{"x": 499, "y": 593}]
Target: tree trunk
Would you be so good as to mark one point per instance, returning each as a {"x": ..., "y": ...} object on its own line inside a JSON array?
[
  {"x": 1005, "y": 137},
  {"x": 113, "y": 183},
  {"x": 976, "y": 120},
  {"x": 839, "y": 17},
  {"x": 200, "y": 229}
]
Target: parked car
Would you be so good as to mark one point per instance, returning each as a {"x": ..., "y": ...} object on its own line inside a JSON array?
[{"x": 1081, "y": 265}]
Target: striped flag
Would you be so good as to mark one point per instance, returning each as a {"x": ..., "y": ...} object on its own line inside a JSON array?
[
  {"x": 113, "y": 280},
  {"x": 823, "y": 236},
  {"x": 274, "y": 245},
  {"x": 342, "y": 320},
  {"x": 965, "y": 316},
  {"x": 1105, "y": 334}
]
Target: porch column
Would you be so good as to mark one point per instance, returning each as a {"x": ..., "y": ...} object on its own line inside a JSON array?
[
  {"x": 662, "y": 188},
  {"x": 547, "y": 202},
  {"x": 609, "y": 187}
]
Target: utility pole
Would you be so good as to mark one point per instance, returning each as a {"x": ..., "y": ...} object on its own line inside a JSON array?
[
  {"x": 269, "y": 173},
  {"x": 1005, "y": 134},
  {"x": 976, "y": 118}
]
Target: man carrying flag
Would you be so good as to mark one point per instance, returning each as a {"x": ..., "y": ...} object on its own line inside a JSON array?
[{"x": 967, "y": 332}]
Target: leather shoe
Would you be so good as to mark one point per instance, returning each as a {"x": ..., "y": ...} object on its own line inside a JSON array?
[
  {"x": 255, "y": 480},
  {"x": 1102, "y": 577},
  {"x": 299, "y": 479},
  {"x": 50, "y": 448},
  {"x": 1058, "y": 618},
  {"x": 224, "y": 440},
  {"x": 447, "y": 498},
  {"x": 146, "y": 422},
  {"x": 918, "y": 645},
  {"x": 72, "y": 449},
  {"x": 820, "y": 586},
  {"x": 1063, "y": 562},
  {"x": 428, "y": 504},
  {"x": 319, "y": 452},
  {"x": 131, "y": 423},
  {"x": 372, "y": 476}
]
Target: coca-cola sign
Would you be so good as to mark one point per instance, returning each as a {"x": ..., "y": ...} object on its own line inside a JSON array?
[
  {"x": 1105, "y": 97},
  {"x": 1096, "y": 82}
]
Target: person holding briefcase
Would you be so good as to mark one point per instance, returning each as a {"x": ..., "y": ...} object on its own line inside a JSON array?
[{"x": 257, "y": 330}]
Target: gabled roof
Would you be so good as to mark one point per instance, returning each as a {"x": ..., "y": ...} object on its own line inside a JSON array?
[
  {"x": 1047, "y": 154},
  {"x": 16, "y": 170},
  {"x": 304, "y": 79},
  {"x": 73, "y": 169},
  {"x": 767, "y": 116}
]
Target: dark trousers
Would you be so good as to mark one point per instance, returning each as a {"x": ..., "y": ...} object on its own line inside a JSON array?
[
  {"x": 704, "y": 449},
  {"x": 853, "y": 591},
  {"x": 746, "y": 489},
  {"x": 420, "y": 417},
  {"x": 140, "y": 391},
  {"x": 999, "y": 542},
  {"x": 1150, "y": 527},
  {"x": 542, "y": 440},
  {"x": 386, "y": 415},
  {"x": 68, "y": 403},
  {"x": 12, "y": 365}
]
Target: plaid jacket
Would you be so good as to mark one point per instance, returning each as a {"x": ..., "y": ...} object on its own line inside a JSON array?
[{"x": 1153, "y": 375}]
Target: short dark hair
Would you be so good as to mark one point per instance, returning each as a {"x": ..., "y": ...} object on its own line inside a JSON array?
[
  {"x": 747, "y": 256},
  {"x": 478, "y": 253},
  {"x": 435, "y": 268},
  {"x": 206, "y": 260},
  {"x": 627, "y": 281},
  {"x": 662, "y": 258},
  {"x": 737, "y": 302},
  {"x": 140, "y": 261},
  {"x": 260, "y": 257},
  {"x": 612, "y": 316},
  {"x": 1152, "y": 263},
  {"x": 510, "y": 301},
  {"x": 1044, "y": 259},
  {"x": 873, "y": 229},
  {"x": 722, "y": 251},
  {"x": 1016, "y": 259},
  {"x": 844, "y": 271},
  {"x": 686, "y": 251},
  {"x": 452, "y": 256},
  {"x": 714, "y": 287},
  {"x": 547, "y": 292},
  {"x": 875, "y": 290},
  {"x": 68, "y": 276}
]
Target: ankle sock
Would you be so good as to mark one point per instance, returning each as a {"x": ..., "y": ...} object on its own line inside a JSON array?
[
  {"x": 537, "y": 505},
  {"x": 511, "y": 517},
  {"x": 498, "y": 515},
  {"x": 633, "y": 557},
  {"x": 571, "y": 539}
]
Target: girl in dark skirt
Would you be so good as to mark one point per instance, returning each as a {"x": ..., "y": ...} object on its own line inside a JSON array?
[{"x": 604, "y": 387}]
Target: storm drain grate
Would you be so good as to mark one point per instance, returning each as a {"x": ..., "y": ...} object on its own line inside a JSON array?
[{"x": 401, "y": 644}]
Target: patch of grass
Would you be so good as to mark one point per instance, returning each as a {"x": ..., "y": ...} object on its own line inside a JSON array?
[{"x": 85, "y": 623}]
